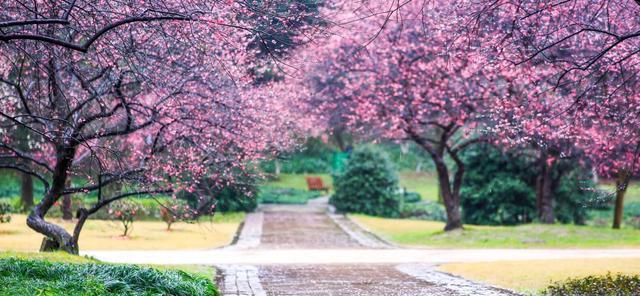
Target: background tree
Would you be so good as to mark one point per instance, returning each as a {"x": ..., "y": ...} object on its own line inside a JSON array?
[{"x": 585, "y": 65}]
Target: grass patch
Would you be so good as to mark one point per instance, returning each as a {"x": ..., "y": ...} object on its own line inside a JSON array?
[
  {"x": 430, "y": 234},
  {"x": 146, "y": 235},
  {"x": 50, "y": 256},
  {"x": 19, "y": 276},
  {"x": 426, "y": 184},
  {"x": 532, "y": 276}
]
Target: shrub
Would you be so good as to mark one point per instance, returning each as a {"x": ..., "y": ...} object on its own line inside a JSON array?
[
  {"x": 38, "y": 277},
  {"x": 174, "y": 211},
  {"x": 575, "y": 196},
  {"x": 237, "y": 199},
  {"x": 499, "y": 188},
  {"x": 411, "y": 197},
  {"x": 126, "y": 212},
  {"x": 368, "y": 185},
  {"x": 505, "y": 201},
  {"x": 424, "y": 211},
  {"x": 596, "y": 285},
  {"x": 277, "y": 195},
  {"x": 240, "y": 196},
  {"x": 5, "y": 212}
]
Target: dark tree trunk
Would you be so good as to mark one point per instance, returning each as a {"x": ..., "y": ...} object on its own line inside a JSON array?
[
  {"x": 622, "y": 181},
  {"x": 450, "y": 198},
  {"x": 26, "y": 198},
  {"x": 544, "y": 195},
  {"x": 65, "y": 206},
  {"x": 63, "y": 240},
  {"x": 449, "y": 192}
]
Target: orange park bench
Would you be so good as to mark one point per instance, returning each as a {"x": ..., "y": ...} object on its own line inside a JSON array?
[{"x": 316, "y": 184}]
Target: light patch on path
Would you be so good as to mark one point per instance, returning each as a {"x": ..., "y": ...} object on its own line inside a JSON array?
[
  {"x": 240, "y": 280},
  {"x": 251, "y": 232},
  {"x": 358, "y": 234},
  {"x": 452, "y": 283}
]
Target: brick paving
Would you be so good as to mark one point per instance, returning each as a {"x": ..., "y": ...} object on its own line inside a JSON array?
[
  {"x": 339, "y": 280},
  {"x": 299, "y": 227},
  {"x": 291, "y": 230}
]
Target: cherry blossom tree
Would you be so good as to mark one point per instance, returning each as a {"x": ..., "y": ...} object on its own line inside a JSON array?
[
  {"x": 144, "y": 96},
  {"x": 408, "y": 83},
  {"x": 581, "y": 61}
]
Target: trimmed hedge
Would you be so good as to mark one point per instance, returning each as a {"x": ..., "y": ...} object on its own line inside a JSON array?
[
  {"x": 597, "y": 285},
  {"x": 39, "y": 277}
]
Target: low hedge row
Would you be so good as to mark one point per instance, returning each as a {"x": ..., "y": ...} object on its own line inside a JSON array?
[
  {"x": 604, "y": 285},
  {"x": 40, "y": 277}
]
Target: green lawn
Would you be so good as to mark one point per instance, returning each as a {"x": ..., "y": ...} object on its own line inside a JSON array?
[
  {"x": 426, "y": 184},
  {"x": 430, "y": 234}
]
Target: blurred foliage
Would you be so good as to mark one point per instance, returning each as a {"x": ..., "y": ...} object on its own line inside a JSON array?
[
  {"x": 426, "y": 210},
  {"x": 499, "y": 189},
  {"x": 278, "y": 195},
  {"x": 368, "y": 185},
  {"x": 210, "y": 196},
  {"x": 597, "y": 285},
  {"x": 126, "y": 212},
  {"x": 317, "y": 157},
  {"x": 5, "y": 212},
  {"x": 236, "y": 199},
  {"x": 175, "y": 211},
  {"x": 411, "y": 197}
]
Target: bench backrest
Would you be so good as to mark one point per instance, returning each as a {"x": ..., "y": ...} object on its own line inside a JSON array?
[{"x": 315, "y": 183}]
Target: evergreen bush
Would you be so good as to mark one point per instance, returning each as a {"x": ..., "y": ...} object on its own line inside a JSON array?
[{"x": 368, "y": 185}]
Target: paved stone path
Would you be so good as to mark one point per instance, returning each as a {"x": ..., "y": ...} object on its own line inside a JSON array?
[
  {"x": 312, "y": 227},
  {"x": 306, "y": 250}
]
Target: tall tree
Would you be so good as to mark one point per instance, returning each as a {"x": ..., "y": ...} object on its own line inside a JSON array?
[
  {"x": 585, "y": 64},
  {"x": 144, "y": 94},
  {"x": 409, "y": 83}
]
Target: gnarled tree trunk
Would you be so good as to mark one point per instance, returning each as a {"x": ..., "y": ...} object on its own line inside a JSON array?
[{"x": 56, "y": 236}]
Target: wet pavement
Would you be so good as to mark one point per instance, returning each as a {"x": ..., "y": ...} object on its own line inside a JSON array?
[
  {"x": 291, "y": 230},
  {"x": 338, "y": 280},
  {"x": 312, "y": 227}
]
